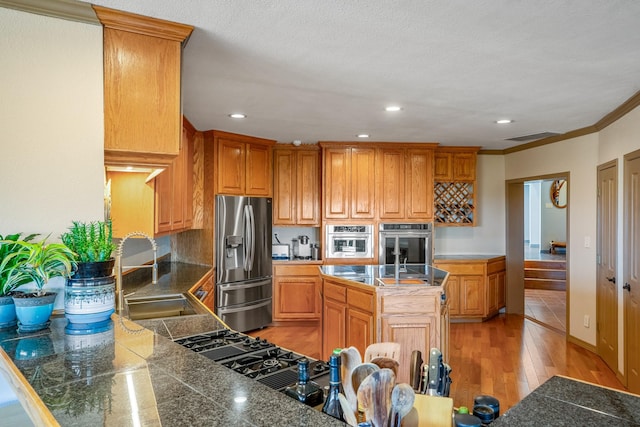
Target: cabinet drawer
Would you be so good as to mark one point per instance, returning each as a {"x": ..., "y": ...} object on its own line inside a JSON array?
[
  {"x": 296, "y": 270},
  {"x": 461, "y": 269},
  {"x": 335, "y": 292},
  {"x": 496, "y": 267},
  {"x": 408, "y": 304},
  {"x": 360, "y": 300}
]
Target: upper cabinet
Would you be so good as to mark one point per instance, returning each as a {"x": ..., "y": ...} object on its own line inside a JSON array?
[
  {"x": 243, "y": 164},
  {"x": 296, "y": 185},
  {"x": 142, "y": 101},
  {"x": 455, "y": 195},
  {"x": 348, "y": 181},
  {"x": 405, "y": 182}
]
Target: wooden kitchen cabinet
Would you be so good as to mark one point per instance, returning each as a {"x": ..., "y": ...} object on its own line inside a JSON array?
[
  {"x": 477, "y": 288},
  {"x": 142, "y": 82},
  {"x": 162, "y": 205},
  {"x": 296, "y": 182},
  {"x": 296, "y": 293},
  {"x": 204, "y": 291},
  {"x": 405, "y": 186},
  {"x": 455, "y": 187},
  {"x": 244, "y": 164},
  {"x": 348, "y": 182}
]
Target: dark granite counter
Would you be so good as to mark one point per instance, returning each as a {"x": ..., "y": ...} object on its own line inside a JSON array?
[
  {"x": 373, "y": 275},
  {"x": 127, "y": 374},
  {"x": 562, "y": 401},
  {"x": 466, "y": 257}
]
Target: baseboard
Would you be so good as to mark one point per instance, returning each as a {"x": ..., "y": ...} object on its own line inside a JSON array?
[{"x": 583, "y": 344}]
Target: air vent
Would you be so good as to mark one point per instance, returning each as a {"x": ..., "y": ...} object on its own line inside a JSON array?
[{"x": 533, "y": 137}]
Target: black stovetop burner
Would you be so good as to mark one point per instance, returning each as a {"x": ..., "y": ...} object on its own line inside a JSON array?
[{"x": 252, "y": 357}]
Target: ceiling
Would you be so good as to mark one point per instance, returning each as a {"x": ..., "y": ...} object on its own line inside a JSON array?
[{"x": 314, "y": 70}]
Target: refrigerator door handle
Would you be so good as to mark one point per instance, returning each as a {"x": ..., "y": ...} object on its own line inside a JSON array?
[
  {"x": 252, "y": 247},
  {"x": 247, "y": 238}
]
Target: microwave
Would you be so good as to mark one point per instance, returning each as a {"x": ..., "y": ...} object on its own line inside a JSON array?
[{"x": 349, "y": 241}]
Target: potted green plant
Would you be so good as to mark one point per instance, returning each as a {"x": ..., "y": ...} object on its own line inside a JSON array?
[
  {"x": 11, "y": 255},
  {"x": 44, "y": 262},
  {"x": 90, "y": 291}
]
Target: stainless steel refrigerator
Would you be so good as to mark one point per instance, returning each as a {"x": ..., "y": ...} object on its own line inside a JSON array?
[{"x": 243, "y": 261}]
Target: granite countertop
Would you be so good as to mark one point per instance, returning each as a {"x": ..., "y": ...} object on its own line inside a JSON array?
[
  {"x": 128, "y": 375},
  {"x": 370, "y": 275},
  {"x": 568, "y": 402},
  {"x": 467, "y": 257}
]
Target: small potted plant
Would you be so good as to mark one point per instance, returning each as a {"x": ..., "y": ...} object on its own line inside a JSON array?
[
  {"x": 90, "y": 291},
  {"x": 44, "y": 262},
  {"x": 11, "y": 255}
]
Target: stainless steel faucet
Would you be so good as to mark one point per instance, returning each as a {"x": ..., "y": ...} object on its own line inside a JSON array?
[{"x": 119, "y": 265}]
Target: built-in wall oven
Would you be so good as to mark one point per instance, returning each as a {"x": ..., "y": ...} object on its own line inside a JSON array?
[
  {"x": 414, "y": 240},
  {"x": 349, "y": 241}
]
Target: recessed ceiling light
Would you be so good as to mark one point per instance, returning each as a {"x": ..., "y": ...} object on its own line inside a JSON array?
[
  {"x": 504, "y": 121},
  {"x": 238, "y": 116},
  {"x": 363, "y": 135},
  {"x": 393, "y": 108}
]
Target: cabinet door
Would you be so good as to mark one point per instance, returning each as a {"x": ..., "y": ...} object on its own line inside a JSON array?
[
  {"x": 419, "y": 179},
  {"x": 391, "y": 164},
  {"x": 337, "y": 181},
  {"x": 163, "y": 200},
  {"x": 412, "y": 332},
  {"x": 296, "y": 298},
  {"x": 453, "y": 295},
  {"x": 502, "y": 291},
  {"x": 131, "y": 189},
  {"x": 363, "y": 182},
  {"x": 442, "y": 167},
  {"x": 492, "y": 293},
  {"x": 333, "y": 327},
  {"x": 308, "y": 188},
  {"x": 231, "y": 166},
  {"x": 464, "y": 166},
  {"x": 258, "y": 170},
  {"x": 471, "y": 295},
  {"x": 178, "y": 193},
  {"x": 141, "y": 77},
  {"x": 359, "y": 329},
  {"x": 188, "y": 146},
  {"x": 284, "y": 191}
]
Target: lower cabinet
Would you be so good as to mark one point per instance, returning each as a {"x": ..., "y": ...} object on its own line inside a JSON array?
[
  {"x": 357, "y": 315},
  {"x": 204, "y": 290},
  {"x": 477, "y": 288},
  {"x": 296, "y": 293}
]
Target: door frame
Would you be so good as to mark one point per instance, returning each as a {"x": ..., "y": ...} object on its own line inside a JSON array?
[{"x": 514, "y": 206}]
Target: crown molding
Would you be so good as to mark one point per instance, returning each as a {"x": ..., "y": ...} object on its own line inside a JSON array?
[{"x": 65, "y": 9}]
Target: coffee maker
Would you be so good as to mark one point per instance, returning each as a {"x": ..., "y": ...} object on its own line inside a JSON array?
[{"x": 302, "y": 248}]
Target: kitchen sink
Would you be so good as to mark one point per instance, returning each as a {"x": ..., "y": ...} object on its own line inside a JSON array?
[{"x": 159, "y": 306}]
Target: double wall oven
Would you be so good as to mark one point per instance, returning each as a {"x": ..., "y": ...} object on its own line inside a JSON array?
[
  {"x": 349, "y": 241},
  {"x": 415, "y": 241}
]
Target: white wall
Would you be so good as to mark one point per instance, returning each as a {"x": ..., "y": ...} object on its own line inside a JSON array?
[
  {"x": 488, "y": 237},
  {"x": 616, "y": 140},
  {"x": 579, "y": 157},
  {"x": 51, "y": 124}
]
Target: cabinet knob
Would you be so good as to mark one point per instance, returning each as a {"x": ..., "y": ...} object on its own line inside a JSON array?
[
  {"x": 627, "y": 286},
  {"x": 611, "y": 279}
]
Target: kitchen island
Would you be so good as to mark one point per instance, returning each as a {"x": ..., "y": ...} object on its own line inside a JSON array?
[
  {"x": 127, "y": 374},
  {"x": 364, "y": 304}
]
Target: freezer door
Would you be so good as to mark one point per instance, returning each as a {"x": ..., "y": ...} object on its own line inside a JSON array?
[
  {"x": 230, "y": 294},
  {"x": 246, "y": 317}
]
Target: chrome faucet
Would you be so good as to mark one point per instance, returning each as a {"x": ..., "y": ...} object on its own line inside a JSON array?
[{"x": 119, "y": 265}]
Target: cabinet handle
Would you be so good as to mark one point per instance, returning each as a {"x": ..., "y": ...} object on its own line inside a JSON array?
[
  {"x": 627, "y": 286},
  {"x": 611, "y": 279}
]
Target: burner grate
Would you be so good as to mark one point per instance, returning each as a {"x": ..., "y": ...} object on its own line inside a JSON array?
[
  {"x": 222, "y": 352},
  {"x": 280, "y": 379}
]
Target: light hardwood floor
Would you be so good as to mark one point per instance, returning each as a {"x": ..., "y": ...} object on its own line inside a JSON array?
[{"x": 506, "y": 357}]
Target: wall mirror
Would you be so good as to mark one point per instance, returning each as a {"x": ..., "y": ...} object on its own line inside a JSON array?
[{"x": 558, "y": 193}]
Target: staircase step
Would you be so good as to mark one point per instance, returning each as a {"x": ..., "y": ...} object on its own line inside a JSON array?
[
  {"x": 546, "y": 264},
  {"x": 550, "y": 285},
  {"x": 536, "y": 273}
]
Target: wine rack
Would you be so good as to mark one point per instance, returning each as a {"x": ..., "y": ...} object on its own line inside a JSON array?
[{"x": 454, "y": 203}]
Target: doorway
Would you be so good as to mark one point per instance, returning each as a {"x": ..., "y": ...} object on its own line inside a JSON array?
[
  {"x": 545, "y": 236},
  {"x": 515, "y": 244}
]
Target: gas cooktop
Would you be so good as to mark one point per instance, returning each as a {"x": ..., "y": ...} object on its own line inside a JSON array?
[{"x": 254, "y": 358}]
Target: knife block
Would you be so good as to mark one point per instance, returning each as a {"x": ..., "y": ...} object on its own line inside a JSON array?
[{"x": 430, "y": 411}]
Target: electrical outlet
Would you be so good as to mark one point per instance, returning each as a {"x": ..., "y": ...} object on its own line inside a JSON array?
[
  {"x": 587, "y": 241},
  {"x": 586, "y": 320}
]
